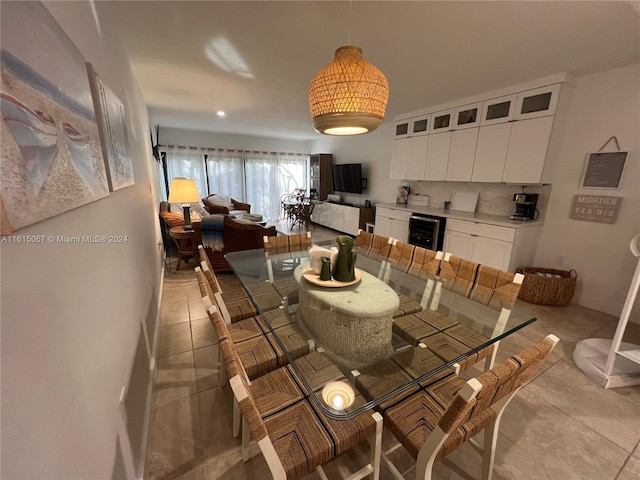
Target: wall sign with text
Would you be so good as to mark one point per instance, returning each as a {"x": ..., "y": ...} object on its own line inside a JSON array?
[
  {"x": 603, "y": 170},
  {"x": 595, "y": 208}
]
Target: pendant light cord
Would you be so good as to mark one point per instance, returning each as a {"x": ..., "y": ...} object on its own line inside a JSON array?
[{"x": 350, "y": 6}]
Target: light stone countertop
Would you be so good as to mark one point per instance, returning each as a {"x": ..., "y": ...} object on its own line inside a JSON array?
[{"x": 498, "y": 220}]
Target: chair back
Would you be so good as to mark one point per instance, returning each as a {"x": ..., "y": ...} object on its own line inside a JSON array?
[
  {"x": 287, "y": 243},
  {"x": 207, "y": 269},
  {"x": 401, "y": 255},
  {"x": 215, "y": 317},
  {"x": 496, "y": 288},
  {"x": 458, "y": 274},
  {"x": 496, "y": 386},
  {"x": 242, "y": 392},
  {"x": 208, "y": 296},
  {"x": 380, "y": 247},
  {"x": 363, "y": 243},
  {"x": 425, "y": 263}
]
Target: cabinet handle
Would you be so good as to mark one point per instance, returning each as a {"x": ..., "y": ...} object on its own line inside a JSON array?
[{"x": 473, "y": 235}]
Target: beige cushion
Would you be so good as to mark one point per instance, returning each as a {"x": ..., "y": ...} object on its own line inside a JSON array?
[
  {"x": 173, "y": 219},
  {"x": 221, "y": 200}
]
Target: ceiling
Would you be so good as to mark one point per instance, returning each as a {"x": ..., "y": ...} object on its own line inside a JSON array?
[{"x": 254, "y": 60}]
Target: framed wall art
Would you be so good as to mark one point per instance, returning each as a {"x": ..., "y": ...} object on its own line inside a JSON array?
[
  {"x": 50, "y": 153},
  {"x": 603, "y": 170},
  {"x": 112, "y": 124}
]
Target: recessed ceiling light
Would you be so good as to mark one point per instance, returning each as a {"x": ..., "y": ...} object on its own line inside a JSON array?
[{"x": 221, "y": 113}]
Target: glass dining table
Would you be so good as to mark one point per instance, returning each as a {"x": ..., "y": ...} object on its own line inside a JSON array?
[{"x": 370, "y": 349}]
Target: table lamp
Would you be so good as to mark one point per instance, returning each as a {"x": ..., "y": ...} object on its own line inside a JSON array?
[{"x": 184, "y": 191}]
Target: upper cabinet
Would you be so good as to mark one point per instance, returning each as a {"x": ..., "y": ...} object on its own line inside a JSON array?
[
  {"x": 540, "y": 102},
  {"x": 467, "y": 116},
  {"x": 506, "y": 136},
  {"x": 420, "y": 125},
  {"x": 498, "y": 110},
  {"x": 402, "y": 129},
  {"x": 442, "y": 121}
]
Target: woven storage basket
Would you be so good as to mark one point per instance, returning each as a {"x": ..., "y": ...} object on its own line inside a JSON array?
[{"x": 545, "y": 290}]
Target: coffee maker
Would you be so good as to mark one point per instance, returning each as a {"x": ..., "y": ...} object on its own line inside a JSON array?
[{"x": 525, "y": 206}]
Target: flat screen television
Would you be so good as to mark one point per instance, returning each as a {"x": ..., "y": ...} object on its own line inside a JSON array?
[{"x": 347, "y": 177}]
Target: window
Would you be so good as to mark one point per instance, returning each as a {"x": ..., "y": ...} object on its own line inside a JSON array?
[{"x": 258, "y": 178}]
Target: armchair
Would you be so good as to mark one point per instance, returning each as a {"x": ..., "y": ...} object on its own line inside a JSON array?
[
  {"x": 236, "y": 236},
  {"x": 212, "y": 207}
]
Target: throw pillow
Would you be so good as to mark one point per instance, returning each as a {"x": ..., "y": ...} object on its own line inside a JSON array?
[
  {"x": 175, "y": 207},
  {"x": 199, "y": 210},
  {"x": 173, "y": 219},
  {"x": 221, "y": 200},
  {"x": 243, "y": 221}
]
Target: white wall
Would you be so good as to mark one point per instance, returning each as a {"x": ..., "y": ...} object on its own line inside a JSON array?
[
  {"x": 604, "y": 104},
  {"x": 193, "y": 138},
  {"x": 373, "y": 150},
  {"x": 72, "y": 313}
]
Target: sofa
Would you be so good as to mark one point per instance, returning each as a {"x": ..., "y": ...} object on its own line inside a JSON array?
[
  {"x": 217, "y": 208},
  {"x": 237, "y": 235}
]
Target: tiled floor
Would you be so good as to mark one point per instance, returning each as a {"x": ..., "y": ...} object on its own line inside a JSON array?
[{"x": 561, "y": 426}]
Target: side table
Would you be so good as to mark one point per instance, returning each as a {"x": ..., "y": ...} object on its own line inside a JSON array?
[{"x": 185, "y": 240}]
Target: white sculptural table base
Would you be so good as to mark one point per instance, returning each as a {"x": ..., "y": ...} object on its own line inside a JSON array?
[{"x": 353, "y": 323}]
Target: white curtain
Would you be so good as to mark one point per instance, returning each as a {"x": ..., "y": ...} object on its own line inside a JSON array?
[
  {"x": 225, "y": 170},
  {"x": 188, "y": 163},
  {"x": 269, "y": 176},
  {"x": 258, "y": 178}
]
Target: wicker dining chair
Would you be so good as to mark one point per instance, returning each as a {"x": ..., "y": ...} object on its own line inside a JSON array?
[
  {"x": 287, "y": 243},
  {"x": 438, "y": 419},
  {"x": 492, "y": 287},
  {"x": 298, "y": 438},
  {"x": 363, "y": 242},
  {"x": 458, "y": 274},
  {"x": 380, "y": 247},
  {"x": 207, "y": 269}
]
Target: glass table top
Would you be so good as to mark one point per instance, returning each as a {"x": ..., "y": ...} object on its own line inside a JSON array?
[{"x": 361, "y": 358}]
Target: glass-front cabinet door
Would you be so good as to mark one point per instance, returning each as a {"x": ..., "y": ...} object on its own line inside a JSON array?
[
  {"x": 420, "y": 125},
  {"x": 498, "y": 110},
  {"x": 540, "y": 102},
  {"x": 402, "y": 129},
  {"x": 467, "y": 116},
  {"x": 441, "y": 121}
]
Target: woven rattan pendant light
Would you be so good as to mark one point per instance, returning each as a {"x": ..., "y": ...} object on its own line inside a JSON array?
[{"x": 348, "y": 96}]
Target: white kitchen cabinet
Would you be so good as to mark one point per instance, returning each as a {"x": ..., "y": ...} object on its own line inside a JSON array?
[
  {"x": 438, "y": 156},
  {"x": 392, "y": 223},
  {"x": 527, "y": 150},
  {"x": 491, "y": 152},
  {"x": 501, "y": 136},
  {"x": 343, "y": 218},
  {"x": 467, "y": 116},
  {"x": 492, "y": 252},
  {"x": 498, "y": 110},
  {"x": 459, "y": 244},
  {"x": 442, "y": 121},
  {"x": 400, "y": 158},
  {"x": 382, "y": 226},
  {"x": 539, "y": 102},
  {"x": 402, "y": 129},
  {"x": 420, "y": 125},
  {"x": 409, "y": 158},
  {"x": 418, "y": 150},
  {"x": 461, "y": 155},
  {"x": 499, "y": 247}
]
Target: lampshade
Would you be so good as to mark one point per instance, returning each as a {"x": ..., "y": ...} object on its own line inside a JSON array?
[
  {"x": 338, "y": 395},
  {"x": 183, "y": 190},
  {"x": 349, "y": 96}
]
